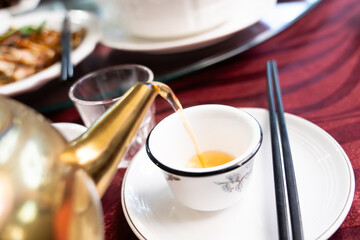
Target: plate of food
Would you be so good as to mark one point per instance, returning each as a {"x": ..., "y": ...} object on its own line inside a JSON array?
[{"x": 31, "y": 50}]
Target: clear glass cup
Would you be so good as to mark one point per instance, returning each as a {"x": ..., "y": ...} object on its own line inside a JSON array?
[{"x": 96, "y": 92}]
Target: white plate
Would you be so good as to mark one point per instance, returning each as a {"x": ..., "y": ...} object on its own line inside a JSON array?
[
  {"x": 247, "y": 13},
  {"x": 54, "y": 21},
  {"x": 69, "y": 130},
  {"x": 23, "y": 6},
  {"x": 5, "y": 19},
  {"x": 325, "y": 182}
]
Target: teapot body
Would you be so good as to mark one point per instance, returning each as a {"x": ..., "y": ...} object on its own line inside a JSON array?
[
  {"x": 39, "y": 196},
  {"x": 51, "y": 189}
]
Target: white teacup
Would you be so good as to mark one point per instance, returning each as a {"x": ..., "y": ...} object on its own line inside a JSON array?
[
  {"x": 164, "y": 18},
  {"x": 216, "y": 127}
]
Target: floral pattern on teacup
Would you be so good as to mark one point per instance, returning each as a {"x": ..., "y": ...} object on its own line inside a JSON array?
[
  {"x": 234, "y": 181},
  {"x": 170, "y": 177}
]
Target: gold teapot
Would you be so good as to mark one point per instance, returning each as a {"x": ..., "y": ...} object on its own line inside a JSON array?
[{"x": 50, "y": 189}]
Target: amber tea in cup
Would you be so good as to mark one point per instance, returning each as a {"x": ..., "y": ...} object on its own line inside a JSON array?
[{"x": 209, "y": 159}]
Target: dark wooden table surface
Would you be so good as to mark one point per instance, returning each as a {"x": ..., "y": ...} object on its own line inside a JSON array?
[{"x": 319, "y": 67}]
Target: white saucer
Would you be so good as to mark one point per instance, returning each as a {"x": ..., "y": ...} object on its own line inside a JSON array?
[
  {"x": 69, "y": 130},
  {"x": 247, "y": 13},
  {"x": 325, "y": 182}
]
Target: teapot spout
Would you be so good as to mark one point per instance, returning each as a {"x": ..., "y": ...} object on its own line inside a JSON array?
[{"x": 100, "y": 149}]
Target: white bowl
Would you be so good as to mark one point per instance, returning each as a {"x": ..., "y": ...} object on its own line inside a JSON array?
[
  {"x": 216, "y": 127},
  {"x": 164, "y": 18}
]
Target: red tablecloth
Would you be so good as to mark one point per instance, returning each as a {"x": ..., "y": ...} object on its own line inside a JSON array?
[{"x": 319, "y": 68}]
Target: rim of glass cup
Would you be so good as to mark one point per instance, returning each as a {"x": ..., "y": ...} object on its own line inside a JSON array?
[
  {"x": 107, "y": 69},
  {"x": 205, "y": 172}
]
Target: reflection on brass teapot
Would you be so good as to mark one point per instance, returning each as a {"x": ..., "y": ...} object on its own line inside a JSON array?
[{"x": 50, "y": 189}]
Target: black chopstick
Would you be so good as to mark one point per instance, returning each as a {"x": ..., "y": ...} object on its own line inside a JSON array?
[
  {"x": 67, "y": 70},
  {"x": 281, "y": 206}
]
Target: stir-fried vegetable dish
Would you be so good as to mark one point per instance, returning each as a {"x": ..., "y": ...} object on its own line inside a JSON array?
[{"x": 30, "y": 49}]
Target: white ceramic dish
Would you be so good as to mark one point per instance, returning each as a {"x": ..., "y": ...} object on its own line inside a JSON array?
[
  {"x": 69, "y": 130},
  {"x": 325, "y": 181},
  {"x": 165, "y": 19},
  {"x": 5, "y": 19},
  {"x": 247, "y": 13},
  {"x": 54, "y": 21}
]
